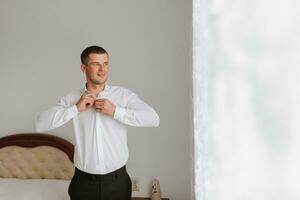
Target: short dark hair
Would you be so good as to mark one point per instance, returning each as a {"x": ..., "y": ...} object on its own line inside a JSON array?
[{"x": 90, "y": 50}]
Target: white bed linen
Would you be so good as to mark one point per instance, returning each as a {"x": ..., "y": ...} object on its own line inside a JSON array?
[{"x": 33, "y": 189}]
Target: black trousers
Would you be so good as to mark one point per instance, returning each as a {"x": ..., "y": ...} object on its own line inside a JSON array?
[{"x": 112, "y": 186}]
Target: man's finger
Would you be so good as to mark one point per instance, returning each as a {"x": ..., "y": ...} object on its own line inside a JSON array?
[
  {"x": 99, "y": 103},
  {"x": 90, "y": 101},
  {"x": 101, "y": 100}
]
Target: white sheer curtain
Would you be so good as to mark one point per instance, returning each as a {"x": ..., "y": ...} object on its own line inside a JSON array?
[{"x": 246, "y": 84}]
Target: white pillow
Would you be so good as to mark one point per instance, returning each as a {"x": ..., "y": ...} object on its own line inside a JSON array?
[{"x": 33, "y": 189}]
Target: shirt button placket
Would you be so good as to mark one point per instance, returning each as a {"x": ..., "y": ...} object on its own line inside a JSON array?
[{"x": 99, "y": 140}]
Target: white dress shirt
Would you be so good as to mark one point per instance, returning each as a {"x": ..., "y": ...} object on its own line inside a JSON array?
[{"x": 100, "y": 140}]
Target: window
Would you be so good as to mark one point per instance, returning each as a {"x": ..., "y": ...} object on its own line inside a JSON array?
[{"x": 246, "y": 86}]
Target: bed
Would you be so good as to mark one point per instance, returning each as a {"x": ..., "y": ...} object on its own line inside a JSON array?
[{"x": 35, "y": 166}]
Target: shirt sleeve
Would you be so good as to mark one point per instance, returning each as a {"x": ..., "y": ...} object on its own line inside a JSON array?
[
  {"x": 56, "y": 116},
  {"x": 137, "y": 113}
]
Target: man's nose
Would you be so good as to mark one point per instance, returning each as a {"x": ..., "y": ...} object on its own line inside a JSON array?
[{"x": 101, "y": 67}]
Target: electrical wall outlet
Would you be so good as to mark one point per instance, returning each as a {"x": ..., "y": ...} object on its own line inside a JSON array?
[{"x": 135, "y": 184}]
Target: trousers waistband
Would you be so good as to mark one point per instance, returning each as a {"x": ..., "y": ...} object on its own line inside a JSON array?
[{"x": 103, "y": 177}]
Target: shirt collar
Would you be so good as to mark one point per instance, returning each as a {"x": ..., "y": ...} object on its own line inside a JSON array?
[{"x": 105, "y": 90}]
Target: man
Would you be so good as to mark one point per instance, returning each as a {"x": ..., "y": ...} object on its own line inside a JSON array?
[{"x": 99, "y": 113}]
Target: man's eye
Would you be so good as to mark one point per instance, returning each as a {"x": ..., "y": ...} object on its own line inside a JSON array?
[{"x": 95, "y": 64}]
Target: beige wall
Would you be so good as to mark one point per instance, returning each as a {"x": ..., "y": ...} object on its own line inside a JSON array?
[{"x": 149, "y": 44}]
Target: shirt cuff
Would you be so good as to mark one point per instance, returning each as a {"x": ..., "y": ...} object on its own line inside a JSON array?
[{"x": 119, "y": 113}]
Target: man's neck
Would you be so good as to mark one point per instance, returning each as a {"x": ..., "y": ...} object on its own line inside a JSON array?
[{"x": 95, "y": 89}]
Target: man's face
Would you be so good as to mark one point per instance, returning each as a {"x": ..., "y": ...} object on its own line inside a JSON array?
[{"x": 97, "y": 68}]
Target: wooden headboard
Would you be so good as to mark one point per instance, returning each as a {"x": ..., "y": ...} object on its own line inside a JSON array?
[
  {"x": 36, "y": 156},
  {"x": 38, "y": 139}
]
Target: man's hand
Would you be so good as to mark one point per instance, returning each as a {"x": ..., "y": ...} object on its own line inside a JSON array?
[
  {"x": 105, "y": 106},
  {"x": 86, "y": 101}
]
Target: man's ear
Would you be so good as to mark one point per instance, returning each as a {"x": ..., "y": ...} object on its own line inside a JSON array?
[{"x": 83, "y": 68}]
